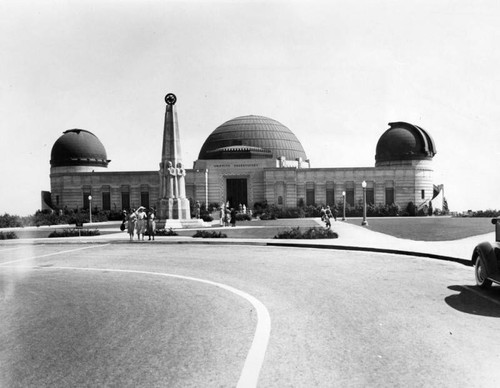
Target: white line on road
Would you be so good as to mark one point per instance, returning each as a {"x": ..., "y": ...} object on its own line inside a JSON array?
[
  {"x": 255, "y": 358},
  {"x": 52, "y": 254}
]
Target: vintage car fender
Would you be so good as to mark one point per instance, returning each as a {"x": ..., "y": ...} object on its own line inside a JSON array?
[{"x": 487, "y": 251}]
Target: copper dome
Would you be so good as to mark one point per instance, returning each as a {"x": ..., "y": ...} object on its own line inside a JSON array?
[
  {"x": 251, "y": 137},
  {"x": 404, "y": 141},
  {"x": 78, "y": 147}
]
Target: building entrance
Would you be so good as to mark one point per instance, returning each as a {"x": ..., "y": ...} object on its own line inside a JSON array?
[{"x": 236, "y": 192}]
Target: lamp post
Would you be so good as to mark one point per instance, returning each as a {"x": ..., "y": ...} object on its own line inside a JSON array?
[
  {"x": 90, "y": 209},
  {"x": 343, "y": 197},
  {"x": 364, "y": 203}
]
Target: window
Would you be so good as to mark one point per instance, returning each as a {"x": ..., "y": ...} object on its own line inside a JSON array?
[
  {"x": 309, "y": 197},
  {"x": 423, "y": 194},
  {"x": 330, "y": 197},
  {"x": 106, "y": 201},
  {"x": 86, "y": 201},
  {"x": 125, "y": 200},
  {"x": 280, "y": 200},
  {"x": 370, "y": 196},
  {"x": 389, "y": 195},
  {"x": 145, "y": 199},
  {"x": 349, "y": 197}
]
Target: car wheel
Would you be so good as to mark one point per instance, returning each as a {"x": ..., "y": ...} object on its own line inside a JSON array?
[{"x": 480, "y": 272}]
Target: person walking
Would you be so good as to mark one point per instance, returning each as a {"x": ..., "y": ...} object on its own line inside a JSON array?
[
  {"x": 132, "y": 219},
  {"x": 328, "y": 215},
  {"x": 222, "y": 214},
  {"x": 322, "y": 213},
  {"x": 141, "y": 223},
  {"x": 123, "y": 226},
  {"x": 335, "y": 213},
  {"x": 233, "y": 217},
  {"x": 151, "y": 224}
]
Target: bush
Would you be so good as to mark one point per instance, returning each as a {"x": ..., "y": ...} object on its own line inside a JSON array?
[
  {"x": 243, "y": 217},
  {"x": 411, "y": 209},
  {"x": 311, "y": 233},
  {"x": 260, "y": 208},
  {"x": 207, "y": 234},
  {"x": 8, "y": 236},
  {"x": 164, "y": 232},
  {"x": 8, "y": 221},
  {"x": 486, "y": 213},
  {"x": 75, "y": 233}
]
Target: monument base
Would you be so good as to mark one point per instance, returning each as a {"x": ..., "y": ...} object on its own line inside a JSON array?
[
  {"x": 174, "y": 209},
  {"x": 175, "y": 213}
]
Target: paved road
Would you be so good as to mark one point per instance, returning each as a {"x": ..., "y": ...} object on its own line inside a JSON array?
[{"x": 101, "y": 315}]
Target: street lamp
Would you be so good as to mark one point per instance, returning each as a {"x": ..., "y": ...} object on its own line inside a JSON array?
[
  {"x": 343, "y": 214},
  {"x": 90, "y": 209},
  {"x": 364, "y": 204}
]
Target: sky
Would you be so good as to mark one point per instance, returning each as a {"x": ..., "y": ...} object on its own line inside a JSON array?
[{"x": 334, "y": 72}]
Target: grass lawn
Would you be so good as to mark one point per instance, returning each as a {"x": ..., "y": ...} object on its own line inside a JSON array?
[
  {"x": 429, "y": 228},
  {"x": 412, "y": 228}
]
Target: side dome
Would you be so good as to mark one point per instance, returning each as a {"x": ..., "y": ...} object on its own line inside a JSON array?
[
  {"x": 252, "y": 137},
  {"x": 78, "y": 147},
  {"x": 404, "y": 141}
]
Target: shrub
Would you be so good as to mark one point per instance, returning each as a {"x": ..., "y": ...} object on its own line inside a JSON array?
[
  {"x": 207, "y": 217},
  {"x": 211, "y": 234},
  {"x": 75, "y": 233},
  {"x": 243, "y": 217},
  {"x": 10, "y": 221},
  {"x": 260, "y": 208},
  {"x": 8, "y": 236},
  {"x": 486, "y": 213},
  {"x": 311, "y": 233},
  {"x": 164, "y": 232}
]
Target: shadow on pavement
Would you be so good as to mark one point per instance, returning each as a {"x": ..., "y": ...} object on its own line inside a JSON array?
[{"x": 476, "y": 301}]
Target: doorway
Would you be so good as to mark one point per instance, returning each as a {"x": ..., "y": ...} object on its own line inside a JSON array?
[{"x": 236, "y": 192}]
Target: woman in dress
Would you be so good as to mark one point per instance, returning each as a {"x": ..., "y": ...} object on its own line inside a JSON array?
[
  {"x": 132, "y": 219},
  {"x": 151, "y": 224},
  {"x": 141, "y": 223}
]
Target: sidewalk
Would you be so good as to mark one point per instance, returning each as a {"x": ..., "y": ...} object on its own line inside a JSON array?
[
  {"x": 351, "y": 237},
  {"x": 355, "y": 237}
]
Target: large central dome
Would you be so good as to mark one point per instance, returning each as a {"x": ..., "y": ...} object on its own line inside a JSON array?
[{"x": 252, "y": 137}]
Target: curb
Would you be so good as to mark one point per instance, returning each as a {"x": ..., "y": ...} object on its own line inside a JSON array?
[{"x": 262, "y": 242}]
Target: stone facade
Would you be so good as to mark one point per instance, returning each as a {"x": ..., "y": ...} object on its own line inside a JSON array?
[{"x": 285, "y": 187}]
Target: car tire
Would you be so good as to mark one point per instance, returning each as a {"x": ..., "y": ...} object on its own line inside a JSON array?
[{"x": 480, "y": 271}]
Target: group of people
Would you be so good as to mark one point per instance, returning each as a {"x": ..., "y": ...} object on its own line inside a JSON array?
[
  {"x": 140, "y": 222},
  {"x": 228, "y": 214},
  {"x": 327, "y": 214}
]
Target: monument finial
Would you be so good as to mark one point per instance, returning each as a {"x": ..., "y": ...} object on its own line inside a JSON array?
[{"x": 170, "y": 99}]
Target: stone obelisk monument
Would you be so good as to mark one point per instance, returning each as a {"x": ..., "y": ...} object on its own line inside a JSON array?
[{"x": 173, "y": 204}]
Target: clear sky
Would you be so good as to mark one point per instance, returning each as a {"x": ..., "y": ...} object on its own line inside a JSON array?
[{"x": 334, "y": 72}]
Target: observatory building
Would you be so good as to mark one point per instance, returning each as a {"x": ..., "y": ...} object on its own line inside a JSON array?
[{"x": 245, "y": 160}]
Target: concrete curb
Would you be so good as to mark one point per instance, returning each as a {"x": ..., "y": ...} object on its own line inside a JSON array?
[{"x": 229, "y": 241}]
